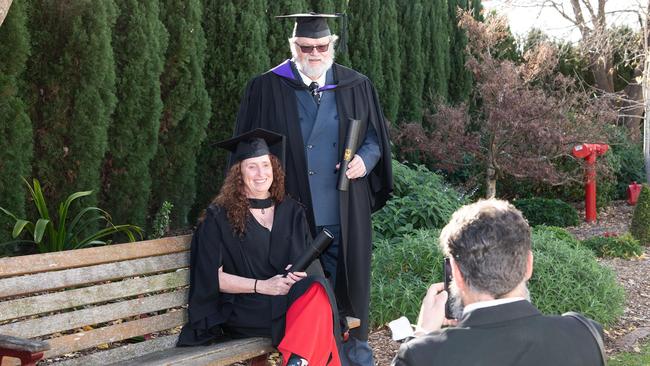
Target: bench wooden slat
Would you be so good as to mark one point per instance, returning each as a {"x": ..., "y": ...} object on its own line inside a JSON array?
[
  {"x": 221, "y": 354},
  {"x": 14, "y": 266},
  {"x": 85, "y": 275},
  {"x": 123, "y": 353},
  {"x": 95, "y": 315},
  {"x": 118, "y": 332},
  {"x": 46, "y": 303}
]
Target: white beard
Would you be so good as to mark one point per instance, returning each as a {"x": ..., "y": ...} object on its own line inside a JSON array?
[{"x": 315, "y": 72}]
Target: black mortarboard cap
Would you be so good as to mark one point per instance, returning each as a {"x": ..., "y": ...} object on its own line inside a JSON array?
[
  {"x": 311, "y": 25},
  {"x": 254, "y": 143}
]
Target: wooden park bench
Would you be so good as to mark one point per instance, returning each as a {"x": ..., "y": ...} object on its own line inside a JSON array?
[{"x": 86, "y": 306}]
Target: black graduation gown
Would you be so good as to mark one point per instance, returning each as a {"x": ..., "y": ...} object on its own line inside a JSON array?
[
  {"x": 270, "y": 102},
  {"x": 258, "y": 254}
]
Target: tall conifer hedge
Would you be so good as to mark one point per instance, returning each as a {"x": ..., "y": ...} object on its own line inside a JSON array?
[
  {"x": 15, "y": 125},
  {"x": 72, "y": 80},
  {"x": 365, "y": 46},
  {"x": 236, "y": 32},
  {"x": 389, "y": 34},
  {"x": 412, "y": 59},
  {"x": 460, "y": 79},
  {"x": 436, "y": 50},
  {"x": 186, "y": 110},
  {"x": 139, "y": 43}
]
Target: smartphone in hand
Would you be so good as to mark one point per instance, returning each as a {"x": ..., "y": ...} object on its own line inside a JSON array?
[{"x": 447, "y": 273}]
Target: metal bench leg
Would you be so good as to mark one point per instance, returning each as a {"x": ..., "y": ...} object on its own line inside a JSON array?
[{"x": 26, "y": 358}]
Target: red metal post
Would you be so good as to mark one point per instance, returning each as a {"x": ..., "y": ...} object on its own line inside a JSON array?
[
  {"x": 590, "y": 152},
  {"x": 590, "y": 188}
]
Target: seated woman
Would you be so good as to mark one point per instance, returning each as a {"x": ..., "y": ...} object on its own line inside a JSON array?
[{"x": 248, "y": 237}]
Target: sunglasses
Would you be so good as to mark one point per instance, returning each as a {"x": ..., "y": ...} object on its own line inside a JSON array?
[{"x": 310, "y": 49}]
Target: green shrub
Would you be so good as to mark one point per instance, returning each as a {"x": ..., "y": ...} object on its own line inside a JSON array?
[
  {"x": 544, "y": 211},
  {"x": 624, "y": 246},
  {"x": 421, "y": 200},
  {"x": 402, "y": 270},
  {"x": 561, "y": 234},
  {"x": 161, "y": 221},
  {"x": 640, "y": 227},
  {"x": 630, "y": 160},
  {"x": 510, "y": 187},
  {"x": 53, "y": 233},
  {"x": 565, "y": 277}
]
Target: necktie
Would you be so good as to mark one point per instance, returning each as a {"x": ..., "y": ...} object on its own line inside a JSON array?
[{"x": 313, "y": 89}]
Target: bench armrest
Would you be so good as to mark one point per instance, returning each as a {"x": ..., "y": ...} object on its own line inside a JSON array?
[{"x": 22, "y": 344}]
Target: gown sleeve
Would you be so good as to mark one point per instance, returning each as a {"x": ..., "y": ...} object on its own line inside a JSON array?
[{"x": 208, "y": 308}]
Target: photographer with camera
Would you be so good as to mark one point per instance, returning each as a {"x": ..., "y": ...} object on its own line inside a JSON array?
[{"x": 489, "y": 247}]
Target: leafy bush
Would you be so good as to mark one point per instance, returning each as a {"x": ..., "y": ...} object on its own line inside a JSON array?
[
  {"x": 510, "y": 187},
  {"x": 402, "y": 270},
  {"x": 162, "y": 220},
  {"x": 57, "y": 233},
  {"x": 544, "y": 211},
  {"x": 421, "y": 199},
  {"x": 565, "y": 277},
  {"x": 561, "y": 234},
  {"x": 624, "y": 246},
  {"x": 630, "y": 160},
  {"x": 640, "y": 227}
]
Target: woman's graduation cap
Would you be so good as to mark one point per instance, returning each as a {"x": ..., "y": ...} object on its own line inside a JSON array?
[{"x": 254, "y": 143}]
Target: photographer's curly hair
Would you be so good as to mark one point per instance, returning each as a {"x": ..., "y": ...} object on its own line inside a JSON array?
[{"x": 232, "y": 196}]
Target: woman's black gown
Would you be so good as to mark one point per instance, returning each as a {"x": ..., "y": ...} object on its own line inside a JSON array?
[{"x": 258, "y": 253}]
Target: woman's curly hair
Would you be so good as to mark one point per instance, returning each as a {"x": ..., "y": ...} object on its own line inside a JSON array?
[{"x": 232, "y": 196}]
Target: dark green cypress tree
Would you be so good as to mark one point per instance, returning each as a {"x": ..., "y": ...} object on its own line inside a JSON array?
[
  {"x": 364, "y": 43},
  {"x": 15, "y": 125},
  {"x": 224, "y": 23},
  {"x": 139, "y": 43},
  {"x": 72, "y": 78},
  {"x": 281, "y": 29},
  {"x": 389, "y": 33},
  {"x": 460, "y": 79},
  {"x": 186, "y": 110},
  {"x": 436, "y": 51},
  {"x": 412, "y": 58}
]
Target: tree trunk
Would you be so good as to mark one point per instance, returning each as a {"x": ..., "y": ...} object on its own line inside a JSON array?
[
  {"x": 646, "y": 120},
  {"x": 4, "y": 9},
  {"x": 634, "y": 106},
  {"x": 490, "y": 183}
]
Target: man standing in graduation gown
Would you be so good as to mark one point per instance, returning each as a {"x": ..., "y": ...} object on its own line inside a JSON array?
[{"x": 311, "y": 100}]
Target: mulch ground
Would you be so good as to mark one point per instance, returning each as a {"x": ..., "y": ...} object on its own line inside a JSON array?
[{"x": 631, "y": 329}]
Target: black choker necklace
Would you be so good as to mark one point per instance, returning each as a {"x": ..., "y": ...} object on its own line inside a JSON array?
[{"x": 261, "y": 203}]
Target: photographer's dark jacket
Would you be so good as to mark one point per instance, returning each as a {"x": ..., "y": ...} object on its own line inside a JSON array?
[
  {"x": 258, "y": 254},
  {"x": 511, "y": 334}
]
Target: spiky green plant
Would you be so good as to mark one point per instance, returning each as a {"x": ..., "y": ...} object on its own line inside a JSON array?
[{"x": 54, "y": 233}]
